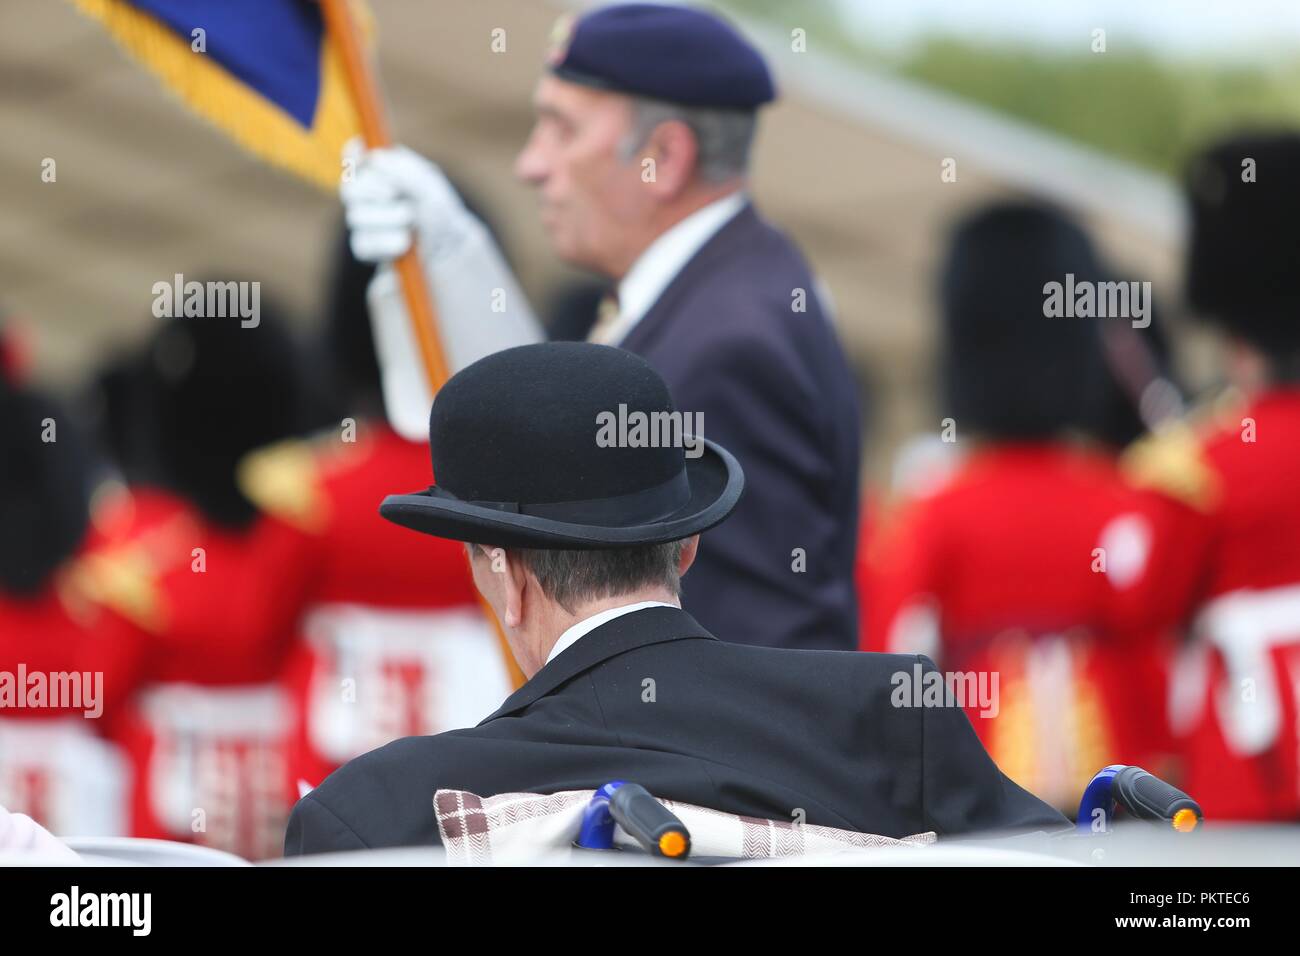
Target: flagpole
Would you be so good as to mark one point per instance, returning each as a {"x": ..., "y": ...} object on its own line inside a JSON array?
[
  {"x": 374, "y": 130},
  {"x": 341, "y": 27}
]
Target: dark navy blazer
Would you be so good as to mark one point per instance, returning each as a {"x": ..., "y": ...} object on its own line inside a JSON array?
[
  {"x": 755, "y": 731},
  {"x": 740, "y": 336}
]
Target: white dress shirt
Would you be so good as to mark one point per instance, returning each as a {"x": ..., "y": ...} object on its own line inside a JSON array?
[
  {"x": 570, "y": 637},
  {"x": 659, "y": 264}
]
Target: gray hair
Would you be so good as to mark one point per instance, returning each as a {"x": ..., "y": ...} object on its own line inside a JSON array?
[
  {"x": 574, "y": 578},
  {"x": 723, "y": 137}
]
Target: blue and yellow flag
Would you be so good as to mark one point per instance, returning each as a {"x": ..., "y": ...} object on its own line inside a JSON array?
[{"x": 262, "y": 70}]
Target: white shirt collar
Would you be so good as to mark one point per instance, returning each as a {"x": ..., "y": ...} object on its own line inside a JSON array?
[
  {"x": 659, "y": 264},
  {"x": 570, "y": 637}
]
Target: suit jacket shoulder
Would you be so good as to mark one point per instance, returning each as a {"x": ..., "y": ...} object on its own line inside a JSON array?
[
  {"x": 394, "y": 784},
  {"x": 752, "y": 283}
]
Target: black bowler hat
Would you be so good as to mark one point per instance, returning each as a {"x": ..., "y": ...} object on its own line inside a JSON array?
[
  {"x": 670, "y": 53},
  {"x": 520, "y": 447}
]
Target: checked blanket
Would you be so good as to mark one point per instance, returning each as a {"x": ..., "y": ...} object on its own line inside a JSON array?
[{"x": 515, "y": 828}]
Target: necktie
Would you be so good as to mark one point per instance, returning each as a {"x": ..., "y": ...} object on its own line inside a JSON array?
[{"x": 604, "y": 331}]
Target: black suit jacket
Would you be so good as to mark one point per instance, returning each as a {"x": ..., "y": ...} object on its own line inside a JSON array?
[
  {"x": 653, "y": 698},
  {"x": 739, "y": 335}
]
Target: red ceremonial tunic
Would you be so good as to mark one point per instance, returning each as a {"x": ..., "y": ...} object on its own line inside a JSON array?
[
  {"x": 65, "y": 666},
  {"x": 1017, "y": 566},
  {"x": 206, "y": 731},
  {"x": 394, "y": 640},
  {"x": 1227, "y": 504}
]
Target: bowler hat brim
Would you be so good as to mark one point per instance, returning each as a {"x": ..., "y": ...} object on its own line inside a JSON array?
[{"x": 715, "y": 479}]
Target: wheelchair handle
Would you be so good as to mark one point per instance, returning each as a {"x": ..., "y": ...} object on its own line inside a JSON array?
[
  {"x": 649, "y": 822},
  {"x": 645, "y": 819},
  {"x": 1143, "y": 795},
  {"x": 1148, "y": 797}
]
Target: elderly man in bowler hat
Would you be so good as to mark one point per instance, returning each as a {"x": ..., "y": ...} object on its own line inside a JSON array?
[
  {"x": 580, "y": 546},
  {"x": 640, "y": 158}
]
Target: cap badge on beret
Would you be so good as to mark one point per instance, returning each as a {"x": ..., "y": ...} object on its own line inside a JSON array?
[{"x": 561, "y": 37}]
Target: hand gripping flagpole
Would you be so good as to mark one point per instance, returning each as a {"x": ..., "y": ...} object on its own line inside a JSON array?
[{"x": 341, "y": 27}]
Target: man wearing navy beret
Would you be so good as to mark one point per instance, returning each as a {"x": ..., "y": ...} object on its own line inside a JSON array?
[{"x": 640, "y": 153}]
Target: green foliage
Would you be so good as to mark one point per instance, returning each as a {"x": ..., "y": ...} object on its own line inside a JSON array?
[{"x": 1133, "y": 104}]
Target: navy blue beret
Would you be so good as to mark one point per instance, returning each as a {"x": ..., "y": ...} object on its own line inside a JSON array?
[{"x": 668, "y": 53}]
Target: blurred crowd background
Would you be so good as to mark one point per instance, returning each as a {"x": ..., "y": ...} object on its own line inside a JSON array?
[
  {"x": 845, "y": 161},
  {"x": 222, "y": 692}
]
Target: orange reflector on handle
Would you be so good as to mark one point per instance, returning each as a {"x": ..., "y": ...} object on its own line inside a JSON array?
[
  {"x": 1185, "y": 820},
  {"x": 672, "y": 844}
]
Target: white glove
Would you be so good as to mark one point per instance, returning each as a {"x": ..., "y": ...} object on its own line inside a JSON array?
[
  {"x": 392, "y": 192},
  {"x": 481, "y": 308}
]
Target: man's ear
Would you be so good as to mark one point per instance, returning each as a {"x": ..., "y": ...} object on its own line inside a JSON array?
[
  {"x": 674, "y": 150},
  {"x": 689, "y": 550}
]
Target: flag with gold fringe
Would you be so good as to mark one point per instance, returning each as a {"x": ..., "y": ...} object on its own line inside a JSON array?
[{"x": 265, "y": 71}]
